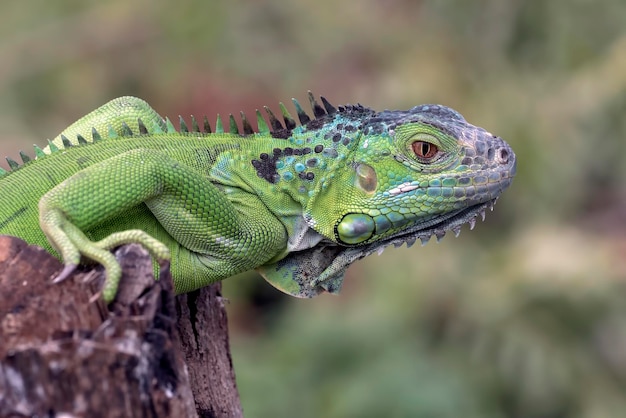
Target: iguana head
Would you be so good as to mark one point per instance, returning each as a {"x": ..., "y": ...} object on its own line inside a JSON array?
[{"x": 406, "y": 175}]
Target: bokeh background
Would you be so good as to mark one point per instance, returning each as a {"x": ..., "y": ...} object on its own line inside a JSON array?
[{"x": 523, "y": 317}]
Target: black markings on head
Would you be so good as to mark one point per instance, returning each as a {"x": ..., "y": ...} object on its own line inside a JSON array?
[
  {"x": 281, "y": 133},
  {"x": 293, "y": 151},
  {"x": 317, "y": 123},
  {"x": 376, "y": 129},
  {"x": 265, "y": 167}
]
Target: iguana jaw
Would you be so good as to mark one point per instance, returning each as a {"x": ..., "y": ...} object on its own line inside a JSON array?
[
  {"x": 451, "y": 222},
  {"x": 308, "y": 273},
  {"x": 331, "y": 278}
]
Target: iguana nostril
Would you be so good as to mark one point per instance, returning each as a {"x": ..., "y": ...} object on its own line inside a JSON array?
[{"x": 503, "y": 156}]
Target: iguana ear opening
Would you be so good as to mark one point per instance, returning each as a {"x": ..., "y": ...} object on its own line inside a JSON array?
[{"x": 299, "y": 273}]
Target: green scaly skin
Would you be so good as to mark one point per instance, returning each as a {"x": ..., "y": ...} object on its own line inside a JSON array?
[{"x": 298, "y": 203}]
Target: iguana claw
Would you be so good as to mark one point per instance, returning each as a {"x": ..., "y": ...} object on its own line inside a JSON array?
[{"x": 67, "y": 271}]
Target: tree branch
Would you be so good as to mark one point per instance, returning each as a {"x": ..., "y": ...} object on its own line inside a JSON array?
[{"x": 62, "y": 353}]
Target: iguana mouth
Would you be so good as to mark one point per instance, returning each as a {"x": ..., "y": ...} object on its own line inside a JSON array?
[
  {"x": 329, "y": 271},
  {"x": 452, "y": 222},
  {"x": 321, "y": 269}
]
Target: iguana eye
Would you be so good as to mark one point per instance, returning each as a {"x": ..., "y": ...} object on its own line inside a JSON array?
[{"x": 424, "y": 150}]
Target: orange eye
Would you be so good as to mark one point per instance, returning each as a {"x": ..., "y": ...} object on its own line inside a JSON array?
[{"x": 424, "y": 149}]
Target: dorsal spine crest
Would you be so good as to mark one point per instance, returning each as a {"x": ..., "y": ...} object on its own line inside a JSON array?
[{"x": 275, "y": 127}]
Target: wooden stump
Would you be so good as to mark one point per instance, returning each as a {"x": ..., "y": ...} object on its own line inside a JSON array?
[{"x": 148, "y": 354}]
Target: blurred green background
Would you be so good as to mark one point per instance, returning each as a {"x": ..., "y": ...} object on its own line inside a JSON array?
[{"x": 523, "y": 317}]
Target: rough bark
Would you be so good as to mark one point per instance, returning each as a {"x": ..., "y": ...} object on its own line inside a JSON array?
[
  {"x": 203, "y": 333},
  {"x": 63, "y": 351}
]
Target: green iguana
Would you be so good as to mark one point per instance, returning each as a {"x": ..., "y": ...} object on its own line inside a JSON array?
[{"x": 298, "y": 203}]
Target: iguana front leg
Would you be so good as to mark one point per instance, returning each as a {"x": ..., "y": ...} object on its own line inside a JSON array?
[{"x": 225, "y": 238}]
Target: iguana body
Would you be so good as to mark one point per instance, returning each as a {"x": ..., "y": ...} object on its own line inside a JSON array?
[{"x": 297, "y": 203}]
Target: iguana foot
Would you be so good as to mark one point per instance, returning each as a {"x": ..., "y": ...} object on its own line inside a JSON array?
[
  {"x": 72, "y": 243},
  {"x": 155, "y": 247}
]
